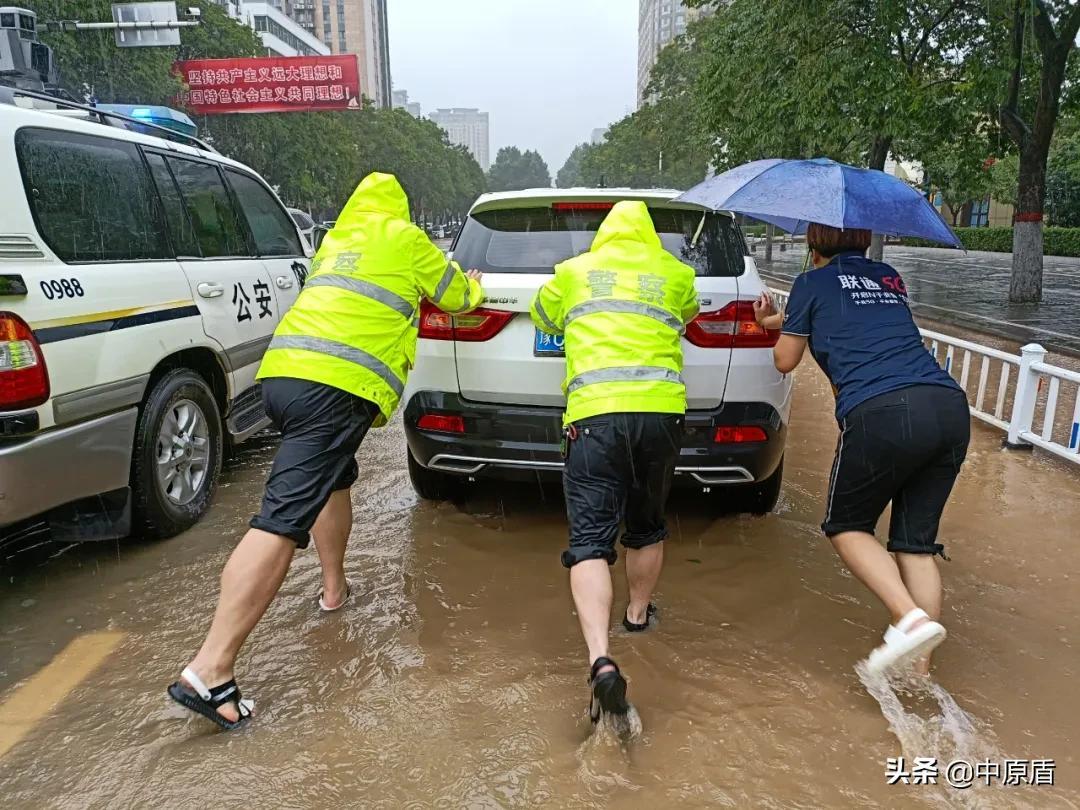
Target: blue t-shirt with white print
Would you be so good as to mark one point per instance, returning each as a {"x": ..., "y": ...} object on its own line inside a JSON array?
[{"x": 854, "y": 313}]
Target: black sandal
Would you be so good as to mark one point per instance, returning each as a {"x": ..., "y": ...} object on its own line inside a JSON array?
[
  {"x": 207, "y": 701},
  {"x": 631, "y": 627},
  {"x": 608, "y": 690}
]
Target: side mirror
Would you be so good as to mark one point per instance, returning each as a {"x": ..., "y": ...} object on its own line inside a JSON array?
[{"x": 317, "y": 235}]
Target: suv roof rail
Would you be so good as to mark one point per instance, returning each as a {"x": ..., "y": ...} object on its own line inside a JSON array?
[{"x": 8, "y": 94}]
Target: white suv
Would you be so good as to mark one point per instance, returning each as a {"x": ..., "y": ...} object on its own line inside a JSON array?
[
  {"x": 485, "y": 396},
  {"x": 141, "y": 279}
]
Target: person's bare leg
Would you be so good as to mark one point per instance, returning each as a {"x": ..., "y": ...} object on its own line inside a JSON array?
[
  {"x": 331, "y": 536},
  {"x": 643, "y": 567},
  {"x": 875, "y": 568},
  {"x": 249, "y": 582},
  {"x": 590, "y": 584},
  {"x": 923, "y": 581}
]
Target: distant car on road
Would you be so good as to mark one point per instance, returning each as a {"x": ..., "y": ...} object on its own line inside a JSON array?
[
  {"x": 485, "y": 398},
  {"x": 141, "y": 280}
]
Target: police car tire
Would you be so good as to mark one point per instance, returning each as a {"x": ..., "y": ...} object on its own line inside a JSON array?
[
  {"x": 432, "y": 485},
  {"x": 153, "y": 515}
]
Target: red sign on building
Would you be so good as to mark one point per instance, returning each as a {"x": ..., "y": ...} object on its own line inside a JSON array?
[{"x": 270, "y": 84}]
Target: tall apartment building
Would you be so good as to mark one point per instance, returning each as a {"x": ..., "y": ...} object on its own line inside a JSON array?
[
  {"x": 467, "y": 127},
  {"x": 401, "y": 101},
  {"x": 659, "y": 22},
  {"x": 359, "y": 27}
]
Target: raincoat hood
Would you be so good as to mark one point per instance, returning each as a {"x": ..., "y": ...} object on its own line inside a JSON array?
[
  {"x": 377, "y": 193},
  {"x": 628, "y": 220}
]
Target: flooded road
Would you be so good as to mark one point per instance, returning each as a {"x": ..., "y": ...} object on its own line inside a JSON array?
[{"x": 456, "y": 677}]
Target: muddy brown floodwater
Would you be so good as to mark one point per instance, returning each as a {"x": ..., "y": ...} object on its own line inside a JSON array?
[{"x": 457, "y": 676}]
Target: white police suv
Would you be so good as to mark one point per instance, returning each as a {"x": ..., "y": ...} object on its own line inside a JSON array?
[{"x": 142, "y": 275}]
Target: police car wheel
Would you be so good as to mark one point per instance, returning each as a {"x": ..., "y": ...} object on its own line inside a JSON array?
[
  {"x": 177, "y": 456},
  {"x": 432, "y": 485}
]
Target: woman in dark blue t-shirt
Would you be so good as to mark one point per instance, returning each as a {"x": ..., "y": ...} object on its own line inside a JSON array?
[{"x": 904, "y": 431}]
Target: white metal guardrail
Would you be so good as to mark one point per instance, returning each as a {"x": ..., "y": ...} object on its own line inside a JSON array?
[{"x": 1011, "y": 392}]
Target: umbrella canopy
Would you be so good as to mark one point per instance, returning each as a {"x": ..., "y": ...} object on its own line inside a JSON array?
[{"x": 793, "y": 193}]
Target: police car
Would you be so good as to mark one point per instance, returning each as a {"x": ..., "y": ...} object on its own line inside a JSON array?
[
  {"x": 485, "y": 396},
  {"x": 142, "y": 275}
]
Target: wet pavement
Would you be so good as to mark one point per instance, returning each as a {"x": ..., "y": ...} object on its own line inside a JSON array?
[
  {"x": 456, "y": 677},
  {"x": 971, "y": 290}
]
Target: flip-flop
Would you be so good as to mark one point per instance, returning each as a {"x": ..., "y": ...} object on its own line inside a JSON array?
[
  {"x": 345, "y": 601},
  {"x": 206, "y": 702},
  {"x": 608, "y": 690},
  {"x": 905, "y": 644},
  {"x": 632, "y": 627}
]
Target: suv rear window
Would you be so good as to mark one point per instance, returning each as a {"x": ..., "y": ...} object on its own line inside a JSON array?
[{"x": 534, "y": 240}]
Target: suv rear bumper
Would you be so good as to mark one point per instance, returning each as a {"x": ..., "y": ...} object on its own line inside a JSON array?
[
  {"x": 519, "y": 442},
  {"x": 65, "y": 464}
]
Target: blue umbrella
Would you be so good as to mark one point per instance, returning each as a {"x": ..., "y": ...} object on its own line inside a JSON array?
[{"x": 793, "y": 193}]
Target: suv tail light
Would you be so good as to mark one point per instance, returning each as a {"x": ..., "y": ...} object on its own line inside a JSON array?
[
  {"x": 733, "y": 327},
  {"x": 441, "y": 423},
  {"x": 24, "y": 380},
  {"x": 739, "y": 434},
  {"x": 478, "y": 325}
]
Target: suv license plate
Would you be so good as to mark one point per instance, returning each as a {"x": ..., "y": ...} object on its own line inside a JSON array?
[{"x": 545, "y": 345}]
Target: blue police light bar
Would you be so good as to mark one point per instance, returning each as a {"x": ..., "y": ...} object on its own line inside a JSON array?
[{"x": 161, "y": 116}]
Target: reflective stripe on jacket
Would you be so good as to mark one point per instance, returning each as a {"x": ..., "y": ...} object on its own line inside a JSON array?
[
  {"x": 354, "y": 324},
  {"x": 623, "y": 307}
]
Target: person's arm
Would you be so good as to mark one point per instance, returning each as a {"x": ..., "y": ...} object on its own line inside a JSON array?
[
  {"x": 547, "y": 310},
  {"x": 794, "y": 323},
  {"x": 442, "y": 282},
  {"x": 690, "y": 304}
]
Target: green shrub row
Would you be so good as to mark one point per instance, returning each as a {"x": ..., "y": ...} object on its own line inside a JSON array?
[{"x": 1056, "y": 241}]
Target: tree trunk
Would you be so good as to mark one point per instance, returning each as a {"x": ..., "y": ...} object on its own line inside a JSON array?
[
  {"x": 769, "y": 231},
  {"x": 879, "y": 153},
  {"x": 1025, "y": 283}
]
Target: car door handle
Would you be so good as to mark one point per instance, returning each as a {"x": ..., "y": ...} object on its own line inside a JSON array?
[
  {"x": 210, "y": 290},
  {"x": 284, "y": 282}
]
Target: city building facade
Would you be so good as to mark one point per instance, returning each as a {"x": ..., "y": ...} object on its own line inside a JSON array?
[
  {"x": 659, "y": 22},
  {"x": 359, "y": 27},
  {"x": 468, "y": 127},
  {"x": 281, "y": 34}
]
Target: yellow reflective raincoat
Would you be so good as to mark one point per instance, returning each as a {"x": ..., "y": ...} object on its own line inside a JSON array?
[
  {"x": 354, "y": 324},
  {"x": 623, "y": 307}
]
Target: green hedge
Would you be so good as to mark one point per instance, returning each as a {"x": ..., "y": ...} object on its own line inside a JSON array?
[{"x": 1056, "y": 241}]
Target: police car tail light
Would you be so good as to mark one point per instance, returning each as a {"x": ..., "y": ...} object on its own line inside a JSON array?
[
  {"x": 24, "y": 380},
  {"x": 476, "y": 326},
  {"x": 732, "y": 327}
]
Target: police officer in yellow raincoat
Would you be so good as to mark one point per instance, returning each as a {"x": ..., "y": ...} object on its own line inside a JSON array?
[
  {"x": 623, "y": 307},
  {"x": 336, "y": 366}
]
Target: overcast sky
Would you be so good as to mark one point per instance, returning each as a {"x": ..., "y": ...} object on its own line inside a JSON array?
[{"x": 547, "y": 71}]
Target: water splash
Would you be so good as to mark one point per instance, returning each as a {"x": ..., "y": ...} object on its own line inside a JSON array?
[{"x": 932, "y": 725}]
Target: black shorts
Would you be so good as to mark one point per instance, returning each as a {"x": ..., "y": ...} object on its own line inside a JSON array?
[
  {"x": 321, "y": 430},
  {"x": 619, "y": 467},
  {"x": 906, "y": 446}
]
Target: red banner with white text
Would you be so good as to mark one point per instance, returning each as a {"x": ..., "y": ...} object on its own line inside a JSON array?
[{"x": 270, "y": 84}]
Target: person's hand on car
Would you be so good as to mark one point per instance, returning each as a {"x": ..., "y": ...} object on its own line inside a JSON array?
[
  {"x": 474, "y": 274},
  {"x": 764, "y": 308}
]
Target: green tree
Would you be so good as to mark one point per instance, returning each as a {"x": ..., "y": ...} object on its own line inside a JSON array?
[
  {"x": 570, "y": 174},
  {"x": 514, "y": 170},
  {"x": 849, "y": 79},
  {"x": 1029, "y": 114},
  {"x": 1063, "y": 177}
]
